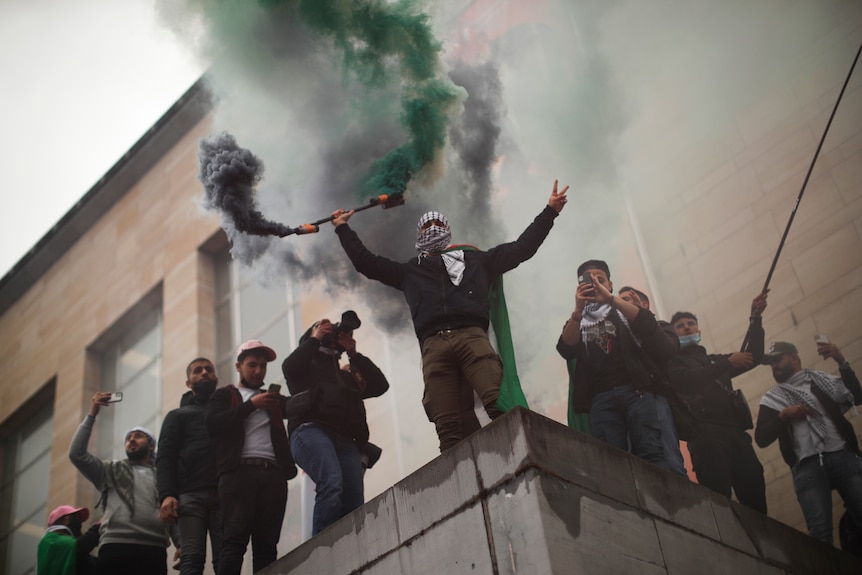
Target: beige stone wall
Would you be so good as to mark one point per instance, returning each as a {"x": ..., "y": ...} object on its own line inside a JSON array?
[
  {"x": 148, "y": 240},
  {"x": 716, "y": 213}
]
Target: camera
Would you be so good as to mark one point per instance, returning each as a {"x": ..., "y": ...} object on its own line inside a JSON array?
[{"x": 349, "y": 322}]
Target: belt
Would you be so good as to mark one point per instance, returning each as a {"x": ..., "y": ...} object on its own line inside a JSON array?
[
  {"x": 448, "y": 332},
  {"x": 258, "y": 462}
]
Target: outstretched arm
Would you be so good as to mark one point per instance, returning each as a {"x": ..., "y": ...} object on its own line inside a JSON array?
[
  {"x": 508, "y": 256},
  {"x": 369, "y": 264},
  {"x": 88, "y": 464}
]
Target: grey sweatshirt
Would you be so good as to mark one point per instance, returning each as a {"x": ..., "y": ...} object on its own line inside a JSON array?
[{"x": 118, "y": 524}]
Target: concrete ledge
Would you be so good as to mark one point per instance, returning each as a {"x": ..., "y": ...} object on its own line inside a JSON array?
[{"x": 528, "y": 495}]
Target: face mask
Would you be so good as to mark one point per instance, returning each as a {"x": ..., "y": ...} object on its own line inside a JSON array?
[
  {"x": 433, "y": 239},
  {"x": 687, "y": 340},
  {"x": 75, "y": 525}
]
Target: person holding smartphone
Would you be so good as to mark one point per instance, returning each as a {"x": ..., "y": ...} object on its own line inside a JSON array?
[
  {"x": 132, "y": 540},
  {"x": 621, "y": 356},
  {"x": 253, "y": 459},
  {"x": 805, "y": 413},
  {"x": 329, "y": 441}
]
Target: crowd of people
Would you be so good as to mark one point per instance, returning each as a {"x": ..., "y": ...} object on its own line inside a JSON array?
[{"x": 223, "y": 458}]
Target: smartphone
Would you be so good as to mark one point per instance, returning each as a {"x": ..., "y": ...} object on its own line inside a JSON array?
[
  {"x": 274, "y": 388},
  {"x": 587, "y": 278},
  {"x": 115, "y": 397},
  {"x": 821, "y": 338}
]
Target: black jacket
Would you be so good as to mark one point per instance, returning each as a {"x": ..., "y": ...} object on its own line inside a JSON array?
[
  {"x": 338, "y": 393},
  {"x": 704, "y": 380},
  {"x": 646, "y": 364},
  {"x": 770, "y": 427},
  {"x": 435, "y": 303},
  {"x": 186, "y": 455},
  {"x": 225, "y": 422}
]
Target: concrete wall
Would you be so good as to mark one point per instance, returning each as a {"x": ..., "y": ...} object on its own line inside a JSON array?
[{"x": 528, "y": 495}]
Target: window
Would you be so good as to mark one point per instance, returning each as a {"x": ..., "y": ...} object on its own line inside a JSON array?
[
  {"x": 26, "y": 454},
  {"x": 246, "y": 310}
]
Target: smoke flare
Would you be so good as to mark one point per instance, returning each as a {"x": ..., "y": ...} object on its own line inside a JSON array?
[{"x": 229, "y": 174}]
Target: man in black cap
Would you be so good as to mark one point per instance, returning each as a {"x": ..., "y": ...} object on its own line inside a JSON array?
[
  {"x": 622, "y": 356},
  {"x": 805, "y": 413},
  {"x": 253, "y": 459}
]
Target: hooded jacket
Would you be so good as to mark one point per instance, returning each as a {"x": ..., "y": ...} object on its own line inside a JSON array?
[
  {"x": 435, "y": 302},
  {"x": 646, "y": 364},
  {"x": 704, "y": 380},
  {"x": 338, "y": 394},
  {"x": 186, "y": 454}
]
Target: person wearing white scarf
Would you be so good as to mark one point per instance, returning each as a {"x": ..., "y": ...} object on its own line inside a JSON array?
[
  {"x": 805, "y": 413},
  {"x": 448, "y": 289},
  {"x": 620, "y": 354}
]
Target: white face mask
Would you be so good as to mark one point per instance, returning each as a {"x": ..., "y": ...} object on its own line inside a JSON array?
[{"x": 687, "y": 340}]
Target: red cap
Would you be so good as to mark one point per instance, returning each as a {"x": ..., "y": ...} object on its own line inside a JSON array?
[
  {"x": 256, "y": 344},
  {"x": 64, "y": 510}
]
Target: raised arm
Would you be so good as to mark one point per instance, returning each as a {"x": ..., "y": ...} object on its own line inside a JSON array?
[
  {"x": 508, "y": 256},
  {"x": 369, "y": 264}
]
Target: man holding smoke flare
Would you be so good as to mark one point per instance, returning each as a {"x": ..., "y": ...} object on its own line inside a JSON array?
[{"x": 448, "y": 288}]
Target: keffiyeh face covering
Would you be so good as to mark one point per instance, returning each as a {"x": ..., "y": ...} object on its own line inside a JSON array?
[{"x": 435, "y": 238}]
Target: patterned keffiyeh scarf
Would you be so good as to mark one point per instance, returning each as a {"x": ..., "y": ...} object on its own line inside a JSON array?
[
  {"x": 790, "y": 393},
  {"x": 120, "y": 477},
  {"x": 595, "y": 329},
  {"x": 435, "y": 240}
]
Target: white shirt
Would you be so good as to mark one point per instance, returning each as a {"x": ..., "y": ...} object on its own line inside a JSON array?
[{"x": 258, "y": 440}]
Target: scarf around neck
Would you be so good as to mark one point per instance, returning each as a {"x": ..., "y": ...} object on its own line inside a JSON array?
[
  {"x": 791, "y": 392},
  {"x": 593, "y": 326}
]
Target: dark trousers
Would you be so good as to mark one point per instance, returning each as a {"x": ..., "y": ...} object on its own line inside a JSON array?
[
  {"x": 130, "y": 559},
  {"x": 252, "y": 501},
  {"x": 724, "y": 459},
  {"x": 448, "y": 359},
  {"x": 199, "y": 512}
]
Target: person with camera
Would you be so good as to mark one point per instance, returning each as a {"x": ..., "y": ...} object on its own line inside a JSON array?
[
  {"x": 253, "y": 459},
  {"x": 621, "y": 357},
  {"x": 722, "y": 455},
  {"x": 448, "y": 290},
  {"x": 132, "y": 539},
  {"x": 329, "y": 441},
  {"x": 805, "y": 413}
]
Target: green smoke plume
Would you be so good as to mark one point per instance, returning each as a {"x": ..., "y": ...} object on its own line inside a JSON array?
[{"x": 381, "y": 44}]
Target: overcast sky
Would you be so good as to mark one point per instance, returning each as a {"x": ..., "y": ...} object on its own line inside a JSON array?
[{"x": 82, "y": 81}]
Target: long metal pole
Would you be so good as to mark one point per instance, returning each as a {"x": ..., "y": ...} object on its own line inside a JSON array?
[{"x": 805, "y": 183}]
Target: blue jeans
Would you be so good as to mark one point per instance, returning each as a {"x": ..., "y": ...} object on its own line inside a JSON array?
[
  {"x": 814, "y": 481},
  {"x": 622, "y": 413},
  {"x": 333, "y": 463},
  {"x": 669, "y": 438},
  {"x": 199, "y": 512}
]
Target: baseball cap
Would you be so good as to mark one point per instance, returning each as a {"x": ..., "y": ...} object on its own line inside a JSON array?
[
  {"x": 256, "y": 344},
  {"x": 777, "y": 349},
  {"x": 64, "y": 510}
]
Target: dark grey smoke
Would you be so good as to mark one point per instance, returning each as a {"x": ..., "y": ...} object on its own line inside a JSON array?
[
  {"x": 229, "y": 174},
  {"x": 474, "y": 135}
]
